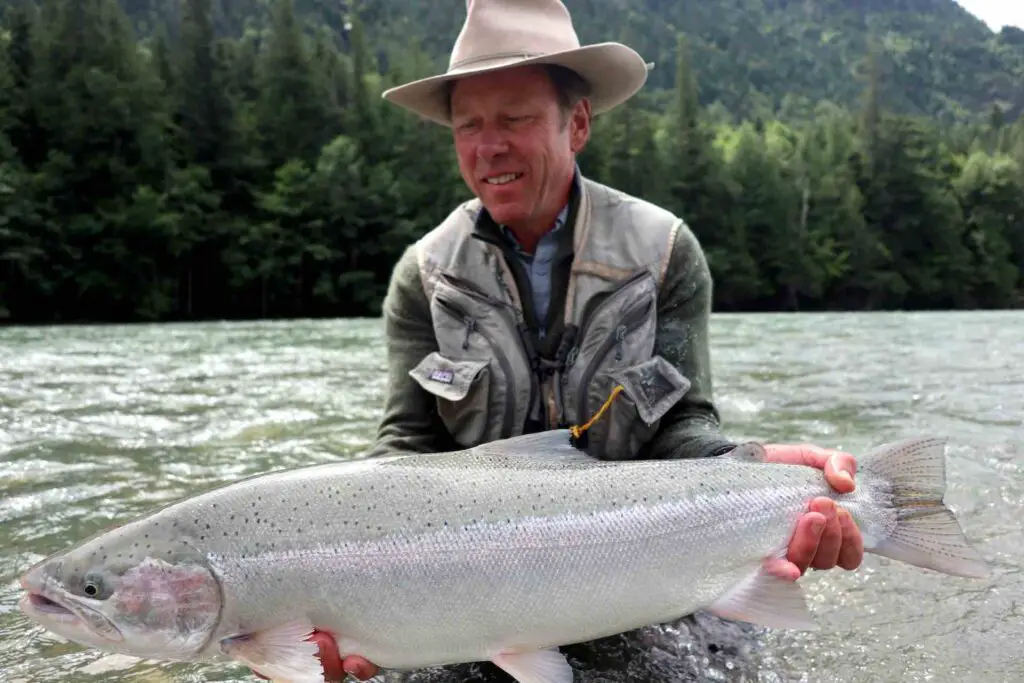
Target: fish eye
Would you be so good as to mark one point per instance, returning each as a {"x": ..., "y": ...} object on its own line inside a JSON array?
[{"x": 93, "y": 586}]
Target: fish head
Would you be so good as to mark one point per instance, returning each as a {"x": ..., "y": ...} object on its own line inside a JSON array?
[{"x": 130, "y": 590}]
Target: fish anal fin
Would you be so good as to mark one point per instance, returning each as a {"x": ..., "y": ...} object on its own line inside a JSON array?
[
  {"x": 766, "y": 600},
  {"x": 536, "y": 666},
  {"x": 283, "y": 653}
]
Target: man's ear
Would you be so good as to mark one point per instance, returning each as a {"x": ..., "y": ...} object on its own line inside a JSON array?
[{"x": 579, "y": 125}]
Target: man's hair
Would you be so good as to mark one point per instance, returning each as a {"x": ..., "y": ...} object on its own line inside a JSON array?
[{"x": 569, "y": 86}]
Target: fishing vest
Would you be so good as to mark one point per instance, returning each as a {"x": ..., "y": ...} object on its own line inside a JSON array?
[{"x": 485, "y": 376}]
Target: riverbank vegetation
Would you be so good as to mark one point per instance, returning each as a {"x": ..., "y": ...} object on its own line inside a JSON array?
[{"x": 186, "y": 175}]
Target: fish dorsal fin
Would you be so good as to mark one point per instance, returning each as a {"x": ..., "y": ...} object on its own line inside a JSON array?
[
  {"x": 749, "y": 452},
  {"x": 547, "y": 445}
]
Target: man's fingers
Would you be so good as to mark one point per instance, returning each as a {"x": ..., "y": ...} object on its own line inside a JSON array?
[
  {"x": 830, "y": 543},
  {"x": 851, "y": 554},
  {"x": 839, "y": 471},
  {"x": 804, "y": 544},
  {"x": 361, "y": 668},
  {"x": 781, "y": 568},
  {"x": 329, "y": 657}
]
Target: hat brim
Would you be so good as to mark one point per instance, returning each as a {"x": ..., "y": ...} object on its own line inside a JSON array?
[{"x": 614, "y": 71}]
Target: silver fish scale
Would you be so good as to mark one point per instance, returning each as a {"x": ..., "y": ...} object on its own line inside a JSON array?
[{"x": 493, "y": 552}]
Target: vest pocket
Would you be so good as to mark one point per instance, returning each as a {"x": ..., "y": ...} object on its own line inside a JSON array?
[
  {"x": 649, "y": 389},
  {"x": 461, "y": 389}
]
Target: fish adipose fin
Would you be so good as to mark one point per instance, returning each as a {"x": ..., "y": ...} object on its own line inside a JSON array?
[
  {"x": 766, "y": 600},
  {"x": 282, "y": 654},
  {"x": 538, "y": 666},
  {"x": 927, "y": 534}
]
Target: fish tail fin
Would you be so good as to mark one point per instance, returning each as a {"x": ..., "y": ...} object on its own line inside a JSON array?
[{"x": 926, "y": 533}]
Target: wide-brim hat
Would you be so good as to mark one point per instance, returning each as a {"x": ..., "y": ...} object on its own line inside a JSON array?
[{"x": 499, "y": 34}]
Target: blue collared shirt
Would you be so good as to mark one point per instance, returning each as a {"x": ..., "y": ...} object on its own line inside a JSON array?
[{"x": 538, "y": 266}]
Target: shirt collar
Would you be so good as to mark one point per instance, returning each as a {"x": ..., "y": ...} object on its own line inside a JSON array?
[{"x": 510, "y": 236}]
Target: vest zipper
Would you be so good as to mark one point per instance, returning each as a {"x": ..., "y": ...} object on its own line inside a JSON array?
[
  {"x": 599, "y": 299},
  {"x": 632, "y": 319},
  {"x": 591, "y": 307},
  {"x": 532, "y": 360},
  {"x": 506, "y": 366}
]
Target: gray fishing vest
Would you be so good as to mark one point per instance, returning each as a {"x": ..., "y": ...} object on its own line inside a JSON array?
[{"x": 485, "y": 378}]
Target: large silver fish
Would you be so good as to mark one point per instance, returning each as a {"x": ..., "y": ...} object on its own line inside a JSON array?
[{"x": 502, "y": 553}]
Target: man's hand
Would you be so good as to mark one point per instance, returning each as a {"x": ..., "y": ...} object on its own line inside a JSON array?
[
  {"x": 335, "y": 669},
  {"x": 826, "y": 536}
]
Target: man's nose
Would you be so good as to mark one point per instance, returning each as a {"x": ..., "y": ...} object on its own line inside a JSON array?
[{"x": 492, "y": 144}]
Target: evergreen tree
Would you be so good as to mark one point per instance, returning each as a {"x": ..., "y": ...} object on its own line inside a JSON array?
[{"x": 184, "y": 173}]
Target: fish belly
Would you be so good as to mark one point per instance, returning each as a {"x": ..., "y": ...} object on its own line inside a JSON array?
[{"x": 470, "y": 592}]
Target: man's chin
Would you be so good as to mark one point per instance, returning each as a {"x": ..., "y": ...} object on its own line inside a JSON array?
[{"x": 504, "y": 212}]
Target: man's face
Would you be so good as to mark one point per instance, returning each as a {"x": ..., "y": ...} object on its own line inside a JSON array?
[{"x": 515, "y": 149}]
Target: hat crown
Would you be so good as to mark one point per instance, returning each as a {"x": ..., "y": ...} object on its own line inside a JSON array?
[{"x": 499, "y": 29}]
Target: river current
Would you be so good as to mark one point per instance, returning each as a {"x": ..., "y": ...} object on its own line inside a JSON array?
[{"x": 101, "y": 423}]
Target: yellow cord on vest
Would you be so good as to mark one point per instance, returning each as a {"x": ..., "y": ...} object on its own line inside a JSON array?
[{"x": 577, "y": 430}]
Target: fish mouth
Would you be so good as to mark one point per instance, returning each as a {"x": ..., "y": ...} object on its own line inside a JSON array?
[
  {"x": 37, "y": 604},
  {"x": 79, "y": 623}
]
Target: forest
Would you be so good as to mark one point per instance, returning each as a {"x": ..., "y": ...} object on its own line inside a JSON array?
[{"x": 188, "y": 173}]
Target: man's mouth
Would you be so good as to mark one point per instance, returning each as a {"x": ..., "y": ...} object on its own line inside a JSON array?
[{"x": 503, "y": 179}]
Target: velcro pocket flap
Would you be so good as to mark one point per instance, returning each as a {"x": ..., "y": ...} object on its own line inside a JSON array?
[
  {"x": 446, "y": 378},
  {"x": 655, "y": 385}
]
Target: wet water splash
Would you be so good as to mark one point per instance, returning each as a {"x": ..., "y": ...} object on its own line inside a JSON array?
[{"x": 98, "y": 424}]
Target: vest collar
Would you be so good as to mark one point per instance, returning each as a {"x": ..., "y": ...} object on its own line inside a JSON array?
[{"x": 487, "y": 229}]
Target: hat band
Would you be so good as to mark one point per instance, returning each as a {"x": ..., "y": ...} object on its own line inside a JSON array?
[{"x": 493, "y": 57}]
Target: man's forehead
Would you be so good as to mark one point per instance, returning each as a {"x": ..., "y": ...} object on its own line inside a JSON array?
[{"x": 503, "y": 85}]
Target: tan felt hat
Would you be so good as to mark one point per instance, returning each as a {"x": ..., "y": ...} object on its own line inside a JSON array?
[{"x": 499, "y": 34}]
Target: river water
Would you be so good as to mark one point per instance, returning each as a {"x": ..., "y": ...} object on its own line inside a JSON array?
[{"x": 98, "y": 424}]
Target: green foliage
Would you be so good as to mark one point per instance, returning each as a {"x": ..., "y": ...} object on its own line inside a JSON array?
[
  {"x": 189, "y": 174},
  {"x": 754, "y": 57}
]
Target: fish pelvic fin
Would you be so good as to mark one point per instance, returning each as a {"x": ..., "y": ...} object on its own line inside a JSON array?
[
  {"x": 927, "y": 534},
  {"x": 283, "y": 653},
  {"x": 536, "y": 666},
  {"x": 766, "y": 600}
]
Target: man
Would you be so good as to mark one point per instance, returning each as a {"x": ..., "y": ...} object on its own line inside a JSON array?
[{"x": 527, "y": 306}]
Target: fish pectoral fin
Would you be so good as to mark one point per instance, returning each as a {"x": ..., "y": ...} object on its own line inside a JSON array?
[
  {"x": 537, "y": 666},
  {"x": 283, "y": 654},
  {"x": 766, "y": 600}
]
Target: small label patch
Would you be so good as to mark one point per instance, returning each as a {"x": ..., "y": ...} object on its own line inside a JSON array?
[{"x": 445, "y": 376}]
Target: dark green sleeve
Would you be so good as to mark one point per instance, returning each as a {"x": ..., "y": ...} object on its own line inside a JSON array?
[
  {"x": 410, "y": 422},
  {"x": 691, "y": 429}
]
